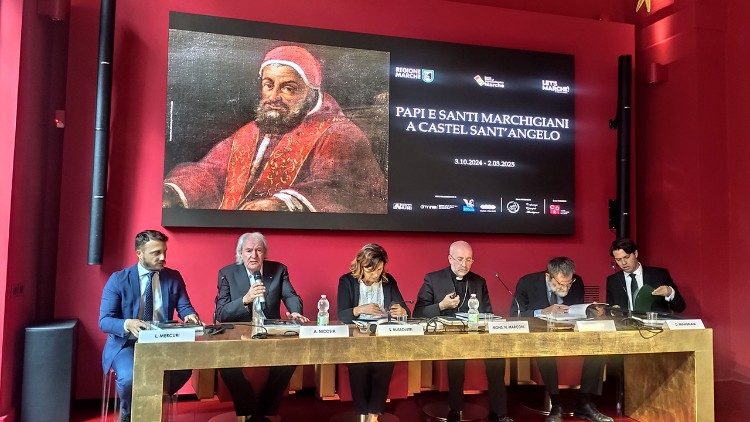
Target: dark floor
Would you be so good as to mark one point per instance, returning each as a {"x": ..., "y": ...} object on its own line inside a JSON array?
[
  {"x": 305, "y": 406},
  {"x": 731, "y": 404}
]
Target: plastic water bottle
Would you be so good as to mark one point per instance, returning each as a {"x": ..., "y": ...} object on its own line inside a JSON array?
[
  {"x": 323, "y": 306},
  {"x": 473, "y": 313}
]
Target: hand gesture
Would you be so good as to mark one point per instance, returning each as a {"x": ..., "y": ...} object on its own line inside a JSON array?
[
  {"x": 369, "y": 309},
  {"x": 134, "y": 326},
  {"x": 450, "y": 301},
  {"x": 192, "y": 319},
  {"x": 555, "y": 309},
  {"x": 396, "y": 310},
  {"x": 665, "y": 291},
  {"x": 256, "y": 290},
  {"x": 297, "y": 317}
]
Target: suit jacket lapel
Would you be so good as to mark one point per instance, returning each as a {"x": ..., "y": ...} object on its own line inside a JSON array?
[
  {"x": 386, "y": 296},
  {"x": 355, "y": 288},
  {"x": 241, "y": 278},
  {"x": 623, "y": 286},
  {"x": 164, "y": 283},
  {"x": 647, "y": 279},
  {"x": 135, "y": 288}
]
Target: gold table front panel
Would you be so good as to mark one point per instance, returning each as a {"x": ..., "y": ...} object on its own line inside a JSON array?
[{"x": 674, "y": 366}]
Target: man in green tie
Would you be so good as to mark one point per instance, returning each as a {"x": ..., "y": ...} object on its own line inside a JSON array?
[{"x": 639, "y": 288}]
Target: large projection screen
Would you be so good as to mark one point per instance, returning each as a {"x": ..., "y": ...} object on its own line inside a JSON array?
[{"x": 275, "y": 126}]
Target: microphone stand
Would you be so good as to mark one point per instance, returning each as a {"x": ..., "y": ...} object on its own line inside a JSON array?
[{"x": 518, "y": 305}]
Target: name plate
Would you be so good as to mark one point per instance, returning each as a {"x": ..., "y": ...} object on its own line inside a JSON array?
[
  {"x": 399, "y": 330},
  {"x": 173, "y": 335},
  {"x": 684, "y": 324},
  {"x": 595, "y": 325},
  {"x": 323, "y": 331},
  {"x": 504, "y": 327}
]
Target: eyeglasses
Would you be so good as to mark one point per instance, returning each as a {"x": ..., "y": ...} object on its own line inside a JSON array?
[
  {"x": 563, "y": 281},
  {"x": 462, "y": 260}
]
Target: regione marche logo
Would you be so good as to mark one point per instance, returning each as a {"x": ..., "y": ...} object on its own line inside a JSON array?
[{"x": 426, "y": 75}]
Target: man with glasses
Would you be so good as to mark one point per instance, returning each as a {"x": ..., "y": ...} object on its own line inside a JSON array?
[
  {"x": 623, "y": 287},
  {"x": 549, "y": 292},
  {"x": 446, "y": 292}
]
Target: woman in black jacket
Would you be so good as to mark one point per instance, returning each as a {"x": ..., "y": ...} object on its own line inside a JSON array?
[{"x": 369, "y": 292}]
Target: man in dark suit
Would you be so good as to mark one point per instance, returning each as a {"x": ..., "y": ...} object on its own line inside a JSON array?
[
  {"x": 235, "y": 300},
  {"x": 446, "y": 292},
  {"x": 553, "y": 291},
  {"x": 623, "y": 287},
  {"x": 134, "y": 296}
]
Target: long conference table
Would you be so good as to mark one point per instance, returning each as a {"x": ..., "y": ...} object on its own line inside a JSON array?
[{"x": 668, "y": 376}]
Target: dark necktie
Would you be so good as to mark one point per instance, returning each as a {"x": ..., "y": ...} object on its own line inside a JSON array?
[
  {"x": 552, "y": 298},
  {"x": 633, "y": 290},
  {"x": 148, "y": 299}
]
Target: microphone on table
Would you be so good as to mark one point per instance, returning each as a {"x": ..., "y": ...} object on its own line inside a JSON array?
[
  {"x": 259, "y": 301},
  {"x": 518, "y": 305}
]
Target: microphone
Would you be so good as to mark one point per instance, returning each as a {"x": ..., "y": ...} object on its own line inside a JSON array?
[
  {"x": 260, "y": 300},
  {"x": 518, "y": 305}
]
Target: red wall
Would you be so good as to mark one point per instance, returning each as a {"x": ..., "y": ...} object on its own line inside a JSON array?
[
  {"x": 315, "y": 258},
  {"x": 738, "y": 178},
  {"x": 692, "y": 174},
  {"x": 33, "y": 82},
  {"x": 11, "y": 14}
]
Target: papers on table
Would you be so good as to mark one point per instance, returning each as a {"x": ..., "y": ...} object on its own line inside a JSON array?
[{"x": 575, "y": 313}]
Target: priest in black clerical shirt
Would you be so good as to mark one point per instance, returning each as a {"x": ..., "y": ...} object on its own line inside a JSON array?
[{"x": 446, "y": 292}]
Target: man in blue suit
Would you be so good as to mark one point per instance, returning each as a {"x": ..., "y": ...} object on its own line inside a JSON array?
[{"x": 147, "y": 291}]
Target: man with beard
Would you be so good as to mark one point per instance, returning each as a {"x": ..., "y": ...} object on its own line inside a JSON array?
[
  {"x": 131, "y": 299},
  {"x": 300, "y": 154},
  {"x": 553, "y": 291}
]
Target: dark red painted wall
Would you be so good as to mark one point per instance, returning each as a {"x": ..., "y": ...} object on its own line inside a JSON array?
[
  {"x": 33, "y": 51},
  {"x": 738, "y": 178},
  {"x": 11, "y": 16},
  {"x": 316, "y": 259},
  {"x": 692, "y": 171}
]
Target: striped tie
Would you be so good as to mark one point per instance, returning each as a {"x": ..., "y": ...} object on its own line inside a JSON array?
[{"x": 148, "y": 299}]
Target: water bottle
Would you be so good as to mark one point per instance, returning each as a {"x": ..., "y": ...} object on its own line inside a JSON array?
[
  {"x": 473, "y": 313},
  {"x": 323, "y": 306}
]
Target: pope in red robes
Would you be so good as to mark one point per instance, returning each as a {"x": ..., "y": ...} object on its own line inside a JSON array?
[{"x": 300, "y": 154}]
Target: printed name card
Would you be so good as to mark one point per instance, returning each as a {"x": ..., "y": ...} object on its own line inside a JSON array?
[
  {"x": 595, "y": 325},
  {"x": 399, "y": 330},
  {"x": 684, "y": 324},
  {"x": 172, "y": 335},
  {"x": 506, "y": 327},
  {"x": 323, "y": 331}
]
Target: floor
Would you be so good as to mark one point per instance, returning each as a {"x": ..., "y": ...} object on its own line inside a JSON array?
[
  {"x": 730, "y": 397},
  {"x": 305, "y": 406}
]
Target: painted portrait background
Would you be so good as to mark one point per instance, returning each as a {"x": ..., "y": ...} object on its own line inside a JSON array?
[{"x": 213, "y": 89}]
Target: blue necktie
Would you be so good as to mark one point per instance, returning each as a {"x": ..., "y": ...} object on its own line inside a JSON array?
[{"x": 148, "y": 299}]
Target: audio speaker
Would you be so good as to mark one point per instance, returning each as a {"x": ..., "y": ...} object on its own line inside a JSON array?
[{"x": 48, "y": 365}]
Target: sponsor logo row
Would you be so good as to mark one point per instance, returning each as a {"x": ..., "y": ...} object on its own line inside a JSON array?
[
  {"x": 485, "y": 81},
  {"x": 512, "y": 206}
]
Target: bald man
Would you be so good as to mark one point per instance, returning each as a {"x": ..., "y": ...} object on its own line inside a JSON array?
[{"x": 446, "y": 292}]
